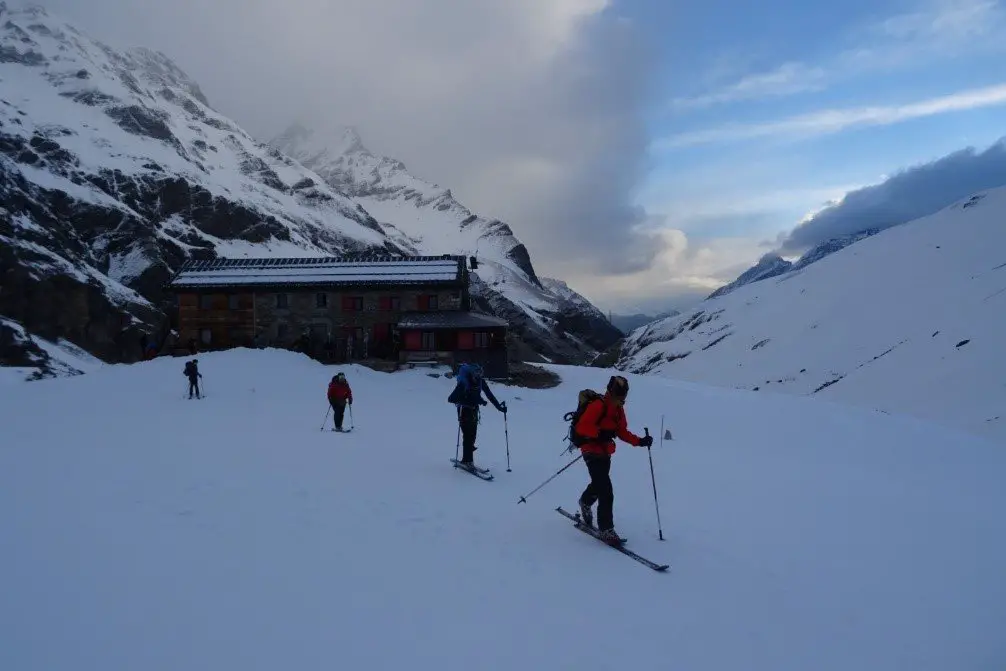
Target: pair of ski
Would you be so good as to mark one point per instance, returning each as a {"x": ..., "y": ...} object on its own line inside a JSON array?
[
  {"x": 342, "y": 430},
  {"x": 578, "y": 523},
  {"x": 482, "y": 473}
]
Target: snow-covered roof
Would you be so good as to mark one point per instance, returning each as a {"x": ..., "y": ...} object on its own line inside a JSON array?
[
  {"x": 320, "y": 272},
  {"x": 449, "y": 320}
]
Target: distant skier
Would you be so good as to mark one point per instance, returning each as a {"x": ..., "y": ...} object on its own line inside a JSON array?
[
  {"x": 467, "y": 396},
  {"x": 192, "y": 372},
  {"x": 339, "y": 394},
  {"x": 601, "y": 422}
]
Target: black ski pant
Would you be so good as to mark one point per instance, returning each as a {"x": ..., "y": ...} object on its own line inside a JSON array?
[
  {"x": 338, "y": 413},
  {"x": 194, "y": 386},
  {"x": 600, "y": 489},
  {"x": 469, "y": 420}
]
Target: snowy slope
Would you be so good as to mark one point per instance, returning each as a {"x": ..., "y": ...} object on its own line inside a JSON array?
[
  {"x": 32, "y": 358},
  {"x": 425, "y": 217},
  {"x": 140, "y": 538},
  {"x": 909, "y": 320}
]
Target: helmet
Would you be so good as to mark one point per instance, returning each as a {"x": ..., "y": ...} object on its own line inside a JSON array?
[{"x": 618, "y": 387}]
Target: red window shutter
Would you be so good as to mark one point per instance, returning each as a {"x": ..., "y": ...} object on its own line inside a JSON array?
[
  {"x": 385, "y": 303},
  {"x": 347, "y": 303},
  {"x": 422, "y": 301},
  {"x": 413, "y": 340},
  {"x": 466, "y": 340}
]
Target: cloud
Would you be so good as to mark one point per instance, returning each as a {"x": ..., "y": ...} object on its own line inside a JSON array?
[
  {"x": 826, "y": 122},
  {"x": 908, "y": 195},
  {"x": 787, "y": 79},
  {"x": 939, "y": 30},
  {"x": 684, "y": 271},
  {"x": 529, "y": 110}
]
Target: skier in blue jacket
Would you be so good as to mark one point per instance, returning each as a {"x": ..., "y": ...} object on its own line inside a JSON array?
[{"x": 467, "y": 397}]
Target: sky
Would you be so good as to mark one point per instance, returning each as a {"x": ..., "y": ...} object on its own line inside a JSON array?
[{"x": 646, "y": 151}]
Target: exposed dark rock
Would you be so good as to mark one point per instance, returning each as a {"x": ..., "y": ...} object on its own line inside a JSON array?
[{"x": 12, "y": 55}]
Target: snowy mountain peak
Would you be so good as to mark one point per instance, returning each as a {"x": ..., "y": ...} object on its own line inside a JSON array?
[
  {"x": 114, "y": 170},
  {"x": 769, "y": 265},
  {"x": 159, "y": 69},
  {"x": 425, "y": 217},
  {"x": 306, "y": 144}
]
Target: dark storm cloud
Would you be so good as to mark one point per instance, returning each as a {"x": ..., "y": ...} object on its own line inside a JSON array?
[
  {"x": 530, "y": 110},
  {"x": 910, "y": 194}
]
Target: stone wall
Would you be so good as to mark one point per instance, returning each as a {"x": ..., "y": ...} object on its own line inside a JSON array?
[{"x": 247, "y": 319}]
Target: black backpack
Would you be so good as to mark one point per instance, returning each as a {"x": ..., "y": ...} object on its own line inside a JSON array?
[
  {"x": 188, "y": 372},
  {"x": 586, "y": 397}
]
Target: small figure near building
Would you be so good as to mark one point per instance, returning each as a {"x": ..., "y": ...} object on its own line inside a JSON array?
[{"x": 339, "y": 395}]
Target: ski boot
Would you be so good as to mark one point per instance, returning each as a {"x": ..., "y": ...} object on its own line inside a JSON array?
[
  {"x": 611, "y": 538},
  {"x": 586, "y": 515}
]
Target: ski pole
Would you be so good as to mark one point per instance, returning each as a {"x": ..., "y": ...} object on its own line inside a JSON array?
[
  {"x": 352, "y": 424},
  {"x": 457, "y": 448},
  {"x": 523, "y": 499},
  {"x": 326, "y": 417},
  {"x": 660, "y": 528},
  {"x": 506, "y": 433}
]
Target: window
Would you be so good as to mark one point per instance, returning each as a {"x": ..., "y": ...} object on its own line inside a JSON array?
[
  {"x": 233, "y": 301},
  {"x": 281, "y": 331},
  {"x": 206, "y": 336},
  {"x": 428, "y": 302},
  {"x": 429, "y": 340},
  {"x": 482, "y": 340},
  {"x": 321, "y": 300},
  {"x": 466, "y": 340},
  {"x": 352, "y": 303},
  {"x": 205, "y": 301},
  {"x": 392, "y": 303},
  {"x": 319, "y": 332},
  {"x": 282, "y": 302}
]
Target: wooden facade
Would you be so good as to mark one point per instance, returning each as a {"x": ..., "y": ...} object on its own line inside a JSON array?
[{"x": 337, "y": 309}]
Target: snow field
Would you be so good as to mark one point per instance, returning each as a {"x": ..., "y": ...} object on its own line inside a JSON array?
[{"x": 147, "y": 531}]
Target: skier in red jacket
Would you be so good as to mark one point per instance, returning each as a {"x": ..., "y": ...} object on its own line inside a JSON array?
[
  {"x": 339, "y": 394},
  {"x": 601, "y": 422}
]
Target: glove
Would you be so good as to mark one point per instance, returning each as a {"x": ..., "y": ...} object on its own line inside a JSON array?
[
  {"x": 483, "y": 401},
  {"x": 646, "y": 441},
  {"x": 606, "y": 435},
  {"x": 503, "y": 407},
  {"x": 351, "y": 401}
]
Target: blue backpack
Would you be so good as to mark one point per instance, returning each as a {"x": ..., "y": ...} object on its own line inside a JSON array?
[{"x": 469, "y": 377}]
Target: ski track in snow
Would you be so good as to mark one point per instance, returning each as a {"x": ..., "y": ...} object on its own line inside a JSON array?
[{"x": 146, "y": 531}]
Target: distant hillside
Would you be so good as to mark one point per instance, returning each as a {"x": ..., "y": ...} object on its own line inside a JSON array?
[
  {"x": 629, "y": 323},
  {"x": 890, "y": 322}
]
